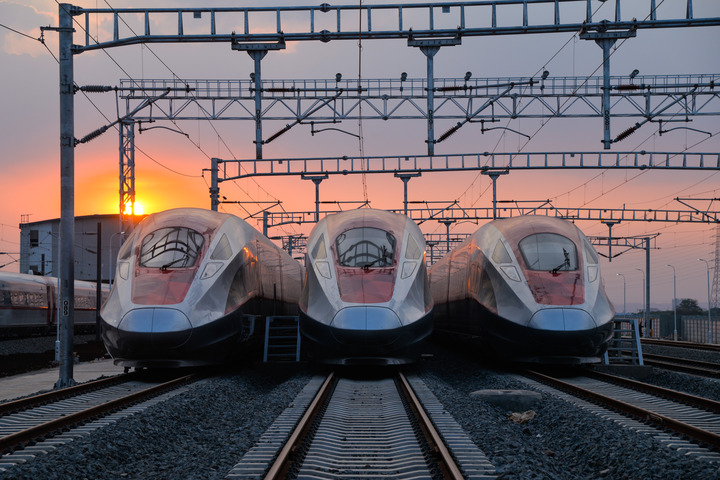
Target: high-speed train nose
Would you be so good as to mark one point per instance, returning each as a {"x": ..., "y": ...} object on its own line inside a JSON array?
[
  {"x": 562, "y": 319},
  {"x": 168, "y": 327}
]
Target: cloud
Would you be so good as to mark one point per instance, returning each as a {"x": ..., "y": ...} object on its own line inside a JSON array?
[{"x": 26, "y": 19}]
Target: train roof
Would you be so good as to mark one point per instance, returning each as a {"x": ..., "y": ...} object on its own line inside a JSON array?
[{"x": 367, "y": 217}]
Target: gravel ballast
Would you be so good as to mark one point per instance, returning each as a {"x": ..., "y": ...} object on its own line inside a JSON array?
[
  {"x": 562, "y": 441},
  {"x": 199, "y": 434},
  {"x": 202, "y": 433}
]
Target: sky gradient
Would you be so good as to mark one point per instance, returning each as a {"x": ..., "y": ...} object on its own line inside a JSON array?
[{"x": 169, "y": 167}]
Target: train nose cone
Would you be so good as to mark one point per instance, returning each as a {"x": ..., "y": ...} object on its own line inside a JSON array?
[
  {"x": 562, "y": 319},
  {"x": 160, "y": 327},
  {"x": 366, "y": 318}
]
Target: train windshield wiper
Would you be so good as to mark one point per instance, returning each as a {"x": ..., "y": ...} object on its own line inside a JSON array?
[
  {"x": 368, "y": 265},
  {"x": 170, "y": 264},
  {"x": 565, "y": 264}
]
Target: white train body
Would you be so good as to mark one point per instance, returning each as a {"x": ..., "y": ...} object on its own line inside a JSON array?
[{"x": 366, "y": 296}]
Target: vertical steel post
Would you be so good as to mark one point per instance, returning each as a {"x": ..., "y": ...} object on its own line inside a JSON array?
[
  {"x": 257, "y": 52},
  {"x": 494, "y": 176},
  {"x": 707, "y": 264},
  {"x": 265, "y": 222},
  {"x": 214, "y": 184},
  {"x": 606, "y": 39},
  {"x": 405, "y": 177},
  {"x": 647, "y": 285},
  {"x": 606, "y": 44},
  {"x": 127, "y": 174},
  {"x": 674, "y": 303},
  {"x": 98, "y": 276},
  {"x": 257, "y": 56},
  {"x": 429, "y": 48},
  {"x": 66, "y": 277},
  {"x": 430, "y": 54}
]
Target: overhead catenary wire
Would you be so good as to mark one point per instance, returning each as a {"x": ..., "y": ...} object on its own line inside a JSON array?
[{"x": 197, "y": 145}]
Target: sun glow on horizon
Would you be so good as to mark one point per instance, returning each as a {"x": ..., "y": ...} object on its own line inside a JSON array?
[{"x": 138, "y": 210}]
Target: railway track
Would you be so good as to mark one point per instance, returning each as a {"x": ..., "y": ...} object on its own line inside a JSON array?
[
  {"x": 711, "y": 347},
  {"x": 40, "y": 423},
  {"x": 391, "y": 428},
  {"x": 696, "y": 367},
  {"x": 686, "y": 416}
]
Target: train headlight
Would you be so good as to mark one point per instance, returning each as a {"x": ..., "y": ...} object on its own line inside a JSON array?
[
  {"x": 592, "y": 273},
  {"x": 407, "y": 269},
  {"x": 211, "y": 269},
  {"x": 323, "y": 269},
  {"x": 511, "y": 272},
  {"x": 124, "y": 270}
]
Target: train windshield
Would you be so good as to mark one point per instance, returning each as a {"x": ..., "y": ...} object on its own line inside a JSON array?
[
  {"x": 365, "y": 247},
  {"x": 177, "y": 247},
  {"x": 549, "y": 251}
]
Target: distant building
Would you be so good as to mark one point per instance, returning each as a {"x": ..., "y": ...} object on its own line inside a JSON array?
[{"x": 39, "y": 246}]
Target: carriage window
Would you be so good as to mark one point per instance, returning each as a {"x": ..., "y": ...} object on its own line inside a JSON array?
[
  {"x": 549, "y": 251},
  {"x": 177, "y": 247},
  {"x": 365, "y": 248}
]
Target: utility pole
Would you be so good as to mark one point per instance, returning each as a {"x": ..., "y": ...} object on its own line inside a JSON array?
[{"x": 66, "y": 278}]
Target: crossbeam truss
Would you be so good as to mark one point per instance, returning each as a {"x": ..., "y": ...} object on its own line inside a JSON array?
[
  {"x": 327, "y": 23},
  {"x": 390, "y": 99},
  {"x": 474, "y": 214},
  {"x": 345, "y": 165}
]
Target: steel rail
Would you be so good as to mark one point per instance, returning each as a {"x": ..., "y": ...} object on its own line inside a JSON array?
[
  {"x": 682, "y": 397},
  {"x": 282, "y": 463},
  {"x": 22, "y": 438},
  {"x": 696, "y": 367},
  {"x": 15, "y": 406},
  {"x": 446, "y": 462},
  {"x": 648, "y": 416},
  {"x": 681, "y": 344}
]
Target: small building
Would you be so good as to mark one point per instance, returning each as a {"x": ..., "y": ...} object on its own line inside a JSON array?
[{"x": 39, "y": 246}]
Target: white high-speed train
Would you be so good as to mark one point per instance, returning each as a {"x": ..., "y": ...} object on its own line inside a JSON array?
[
  {"x": 189, "y": 284},
  {"x": 366, "y": 297},
  {"x": 525, "y": 288}
]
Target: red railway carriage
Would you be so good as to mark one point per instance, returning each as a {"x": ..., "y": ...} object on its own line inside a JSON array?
[
  {"x": 28, "y": 303},
  {"x": 366, "y": 296},
  {"x": 189, "y": 285},
  {"x": 526, "y": 288}
]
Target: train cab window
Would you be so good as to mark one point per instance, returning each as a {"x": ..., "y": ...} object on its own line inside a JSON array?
[
  {"x": 549, "y": 251},
  {"x": 365, "y": 247},
  {"x": 177, "y": 247},
  {"x": 223, "y": 250},
  {"x": 319, "y": 251}
]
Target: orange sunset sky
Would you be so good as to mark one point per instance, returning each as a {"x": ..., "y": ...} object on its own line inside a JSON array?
[{"x": 169, "y": 167}]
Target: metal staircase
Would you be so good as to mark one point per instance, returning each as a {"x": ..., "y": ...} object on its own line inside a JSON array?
[
  {"x": 282, "y": 339},
  {"x": 626, "y": 340}
]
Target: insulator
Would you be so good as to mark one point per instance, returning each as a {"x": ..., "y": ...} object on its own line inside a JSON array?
[
  {"x": 276, "y": 135},
  {"x": 445, "y": 135},
  {"x": 629, "y": 87},
  {"x": 96, "y": 88},
  {"x": 450, "y": 89},
  {"x": 291, "y": 89},
  {"x": 627, "y": 133},
  {"x": 93, "y": 135}
]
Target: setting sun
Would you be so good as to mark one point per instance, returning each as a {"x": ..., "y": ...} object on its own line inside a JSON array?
[{"x": 138, "y": 210}]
